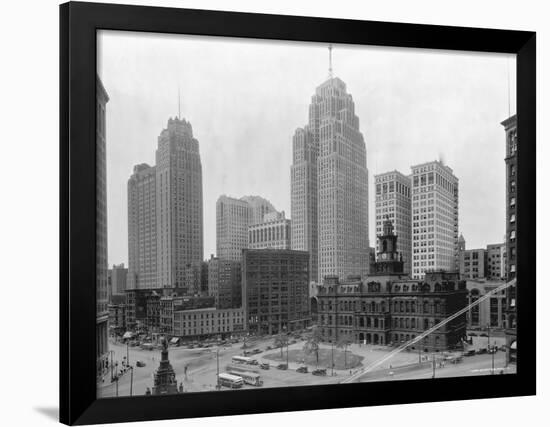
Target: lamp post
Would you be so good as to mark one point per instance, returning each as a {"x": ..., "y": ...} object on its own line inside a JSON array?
[
  {"x": 111, "y": 352},
  {"x": 433, "y": 365},
  {"x": 332, "y": 361},
  {"x": 131, "y": 379},
  {"x": 218, "y": 368},
  {"x": 127, "y": 353},
  {"x": 493, "y": 351}
]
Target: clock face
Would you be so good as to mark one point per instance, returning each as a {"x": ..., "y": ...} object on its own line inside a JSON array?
[{"x": 384, "y": 256}]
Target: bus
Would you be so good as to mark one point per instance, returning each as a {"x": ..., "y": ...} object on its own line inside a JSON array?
[
  {"x": 229, "y": 380},
  {"x": 251, "y": 378},
  {"x": 236, "y": 369},
  {"x": 242, "y": 359}
]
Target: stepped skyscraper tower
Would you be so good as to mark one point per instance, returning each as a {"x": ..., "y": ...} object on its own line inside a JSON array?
[
  {"x": 165, "y": 212},
  {"x": 329, "y": 185}
]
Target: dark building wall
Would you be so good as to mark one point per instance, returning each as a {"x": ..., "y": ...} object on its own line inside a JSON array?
[{"x": 275, "y": 286}]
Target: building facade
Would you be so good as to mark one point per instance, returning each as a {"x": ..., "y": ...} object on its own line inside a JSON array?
[
  {"x": 434, "y": 219},
  {"x": 102, "y": 292},
  {"x": 272, "y": 233},
  {"x": 118, "y": 276},
  {"x": 225, "y": 283},
  {"x": 389, "y": 308},
  {"x": 179, "y": 203},
  {"x": 275, "y": 287},
  {"x": 303, "y": 192},
  {"x": 233, "y": 217},
  {"x": 511, "y": 161},
  {"x": 117, "y": 318},
  {"x": 496, "y": 261},
  {"x": 393, "y": 201},
  {"x": 490, "y": 312},
  {"x": 472, "y": 263},
  {"x": 142, "y": 228},
  {"x": 337, "y": 187},
  {"x": 208, "y": 322}
]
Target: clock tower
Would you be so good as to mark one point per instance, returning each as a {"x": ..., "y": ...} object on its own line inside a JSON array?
[{"x": 388, "y": 260}]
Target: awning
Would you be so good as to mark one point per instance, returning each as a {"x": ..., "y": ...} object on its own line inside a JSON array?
[
  {"x": 174, "y": 340},
  {"x": 514, "y": 345},
  {"x": 128, "y": 335}
]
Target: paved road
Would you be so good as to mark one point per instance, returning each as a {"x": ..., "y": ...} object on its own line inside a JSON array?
[
  {"x": 470, "y": 366},
  {"x": 202, "y": 368}
]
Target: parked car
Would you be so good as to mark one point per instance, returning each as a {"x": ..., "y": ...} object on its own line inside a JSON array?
[
  {"x": 140, "y": 364},
  {"x": 253, "y": 362},
  {"x": 264, "y": 366},
  {"x": 481, "y": 351},
  {"x": 320, "y": 372},
  {"x": 302, "y": 370},
  {"x": 282, "y": 366},
  {"x": 268, "y": 348},
  {"x": 256, "y": 351}
]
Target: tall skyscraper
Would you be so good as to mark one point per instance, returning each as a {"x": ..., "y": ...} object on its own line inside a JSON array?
[
  {"x": 165, "y": 221},
  {"x": 329, "y": 185},
  {"x": 142, "y": 228},
  {"x": 304, "y": 194},
  {"x": 233, "y": 217},
  {"x": 393, "y": 202},
  {"x": 179, "y": 204},
  {"x": 435, "y": 218},
  {"x": 102, "y": 293}
]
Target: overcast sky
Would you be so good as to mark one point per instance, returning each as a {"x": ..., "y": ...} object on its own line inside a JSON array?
[{"x": 245, "y": 98}]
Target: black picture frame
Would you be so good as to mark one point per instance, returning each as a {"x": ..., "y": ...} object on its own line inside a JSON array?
[{"x": 78, "y": 25}]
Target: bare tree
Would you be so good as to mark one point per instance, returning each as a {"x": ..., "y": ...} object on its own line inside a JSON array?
[
  {"x": 344, "y": 342},
  {"x": 281, "y": 341},
  {"x": 312, "y": 344}
]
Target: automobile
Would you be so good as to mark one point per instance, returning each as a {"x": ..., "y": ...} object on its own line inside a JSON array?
[
  {"x": 140, "y": 364},
  {"x": 481, "y": 351},
  {"x": 302, "y": 370},
  {"x": 470, "y": 353},
  {"x": 282, "y": 366},
  {"x": 319, "y": 372},
  {"x": 256, "y": 351},
  {"x": 253, "y": 362},
  {"x": 264, "y": 366},
  {"x": 292, "y": 342},
  {"x": 268, "y": 348},
  {"x": 483, "y": 335}
]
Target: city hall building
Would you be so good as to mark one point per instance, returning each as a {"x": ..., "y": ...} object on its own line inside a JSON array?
[{"x": 389, "y": 308}]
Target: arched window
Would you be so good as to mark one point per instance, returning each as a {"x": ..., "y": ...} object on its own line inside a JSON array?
[{"x": 361, "y": 321}]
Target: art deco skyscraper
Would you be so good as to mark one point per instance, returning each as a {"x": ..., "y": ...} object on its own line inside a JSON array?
[
  {"x": 329, "y": 185},
  {"x": 435, "y": 218},
  {"x": 179, "y": 204}
]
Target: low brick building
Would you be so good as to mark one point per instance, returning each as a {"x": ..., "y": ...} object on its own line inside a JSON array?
[{"x": 208, "y": 322}]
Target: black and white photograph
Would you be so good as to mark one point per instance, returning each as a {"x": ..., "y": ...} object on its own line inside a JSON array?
[{"x": 281, "y": 214}]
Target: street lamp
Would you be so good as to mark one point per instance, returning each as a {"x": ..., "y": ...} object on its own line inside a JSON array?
[
  {"x": 131, "y": 379},
  {"x": 218, "y": 368}
]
